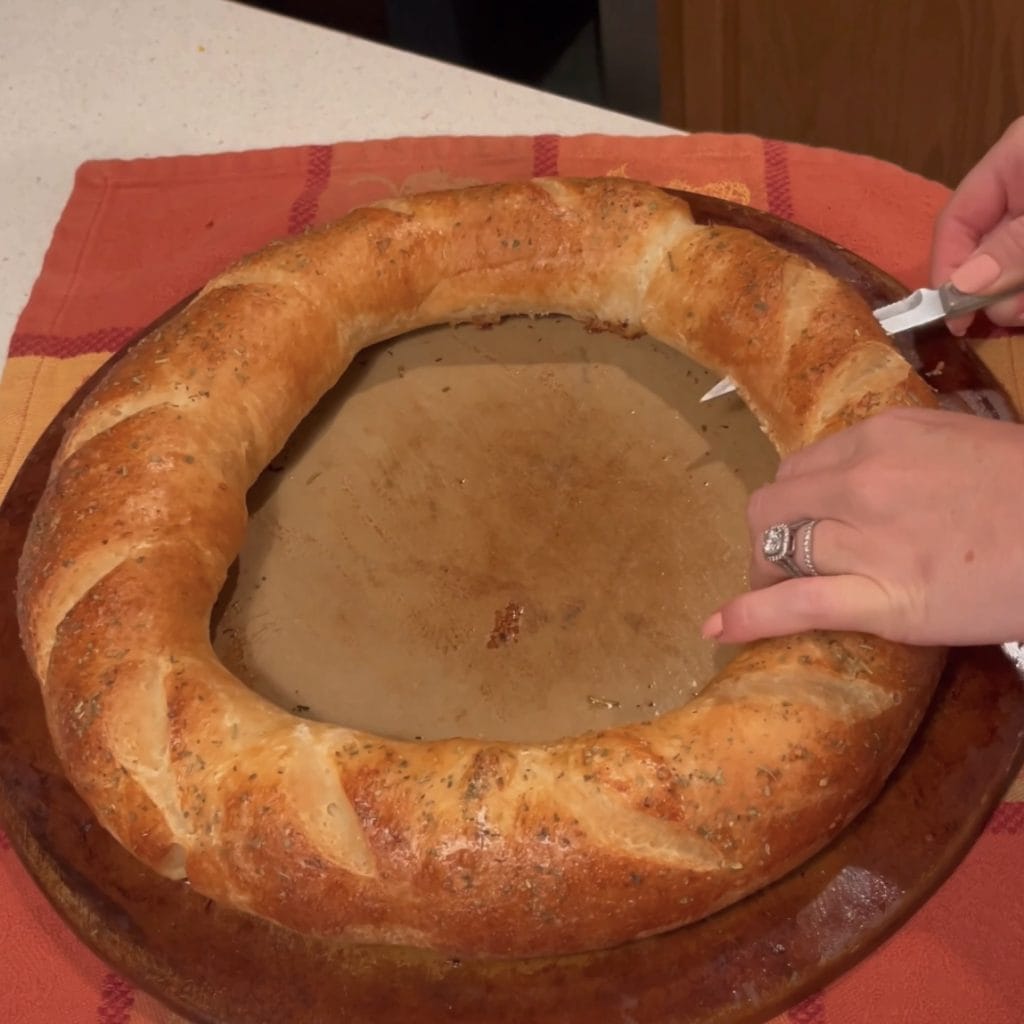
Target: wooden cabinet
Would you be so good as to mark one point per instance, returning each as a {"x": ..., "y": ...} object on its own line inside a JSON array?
[{"x": 928, "y": 84}]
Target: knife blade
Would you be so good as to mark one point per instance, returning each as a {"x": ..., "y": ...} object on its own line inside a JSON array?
[{"x": 920, "y": 308}]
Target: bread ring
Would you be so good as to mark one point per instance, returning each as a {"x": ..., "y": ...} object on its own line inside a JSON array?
[{"x": 473, "y": 847}]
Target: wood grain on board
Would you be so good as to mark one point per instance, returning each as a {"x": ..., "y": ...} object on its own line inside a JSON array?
[{"x": 927, "y": 84}]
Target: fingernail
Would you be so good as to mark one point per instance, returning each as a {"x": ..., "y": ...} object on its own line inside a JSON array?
[
  {"x": 957, "y": 326},
  {"x": 976, "y": 274},
  {"x": 713, "y": 628}
]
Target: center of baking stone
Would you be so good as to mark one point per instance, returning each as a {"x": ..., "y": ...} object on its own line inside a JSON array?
[{"x": 510, "y": 533}]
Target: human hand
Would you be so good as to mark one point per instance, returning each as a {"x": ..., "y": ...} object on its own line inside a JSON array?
[
  {"x": 920, "y": 536},
  {"x": 979, "y": 236}
]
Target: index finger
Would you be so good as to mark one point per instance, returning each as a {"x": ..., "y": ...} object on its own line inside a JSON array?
[
  {"x": 993, "y": 188},
  {"x": 977, "y": 206}
]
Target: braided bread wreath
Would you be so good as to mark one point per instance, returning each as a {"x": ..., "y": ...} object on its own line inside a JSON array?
[{"x": 464, "y": 846}]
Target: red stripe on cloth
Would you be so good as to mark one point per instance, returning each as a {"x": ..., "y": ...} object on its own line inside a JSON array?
[
  {"x": 117, "y": 998},
  {"x": 810, "y": 1011},
  {"x": 318, "y": 173},
  {"x": 1008, "y": 820},
  {"x": 776, "y": 179},
  {"x": 61, "y": 346},
  {"x": 545, "y": 156}
]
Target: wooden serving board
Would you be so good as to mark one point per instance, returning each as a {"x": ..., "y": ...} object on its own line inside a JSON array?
[{"x": 512, "y": 532}]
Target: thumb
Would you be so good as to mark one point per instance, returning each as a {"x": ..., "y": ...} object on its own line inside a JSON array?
[
  {"x": 997, "y": 264},
  {"x": 849, "y": 603}
]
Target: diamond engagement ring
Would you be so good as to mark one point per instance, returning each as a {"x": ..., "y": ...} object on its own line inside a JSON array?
[{"x": 779, "y": 546}]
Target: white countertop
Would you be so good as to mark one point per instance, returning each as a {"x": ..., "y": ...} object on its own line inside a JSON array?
[{"x": 130, "y": 78}]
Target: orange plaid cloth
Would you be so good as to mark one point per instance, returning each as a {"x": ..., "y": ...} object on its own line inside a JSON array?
[{"x": 137, "y": 236}]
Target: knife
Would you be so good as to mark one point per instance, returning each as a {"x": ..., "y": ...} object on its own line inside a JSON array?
[{"x": 918, "y": 309}]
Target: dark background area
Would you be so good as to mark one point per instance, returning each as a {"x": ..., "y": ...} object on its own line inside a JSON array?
[{"x": 602, "y": 52}]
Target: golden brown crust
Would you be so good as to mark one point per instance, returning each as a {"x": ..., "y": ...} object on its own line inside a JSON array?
[{"x": 469, "y": 846}]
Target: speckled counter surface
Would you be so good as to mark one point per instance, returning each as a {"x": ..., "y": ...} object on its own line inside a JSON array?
[{"x": 130, "y": 78}]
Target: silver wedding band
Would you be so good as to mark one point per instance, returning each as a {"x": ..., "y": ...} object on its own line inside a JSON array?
[{"x": 790, "y": 546}]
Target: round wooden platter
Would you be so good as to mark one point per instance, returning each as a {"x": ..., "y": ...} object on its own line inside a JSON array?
[{"x": 510, "y": 532}]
